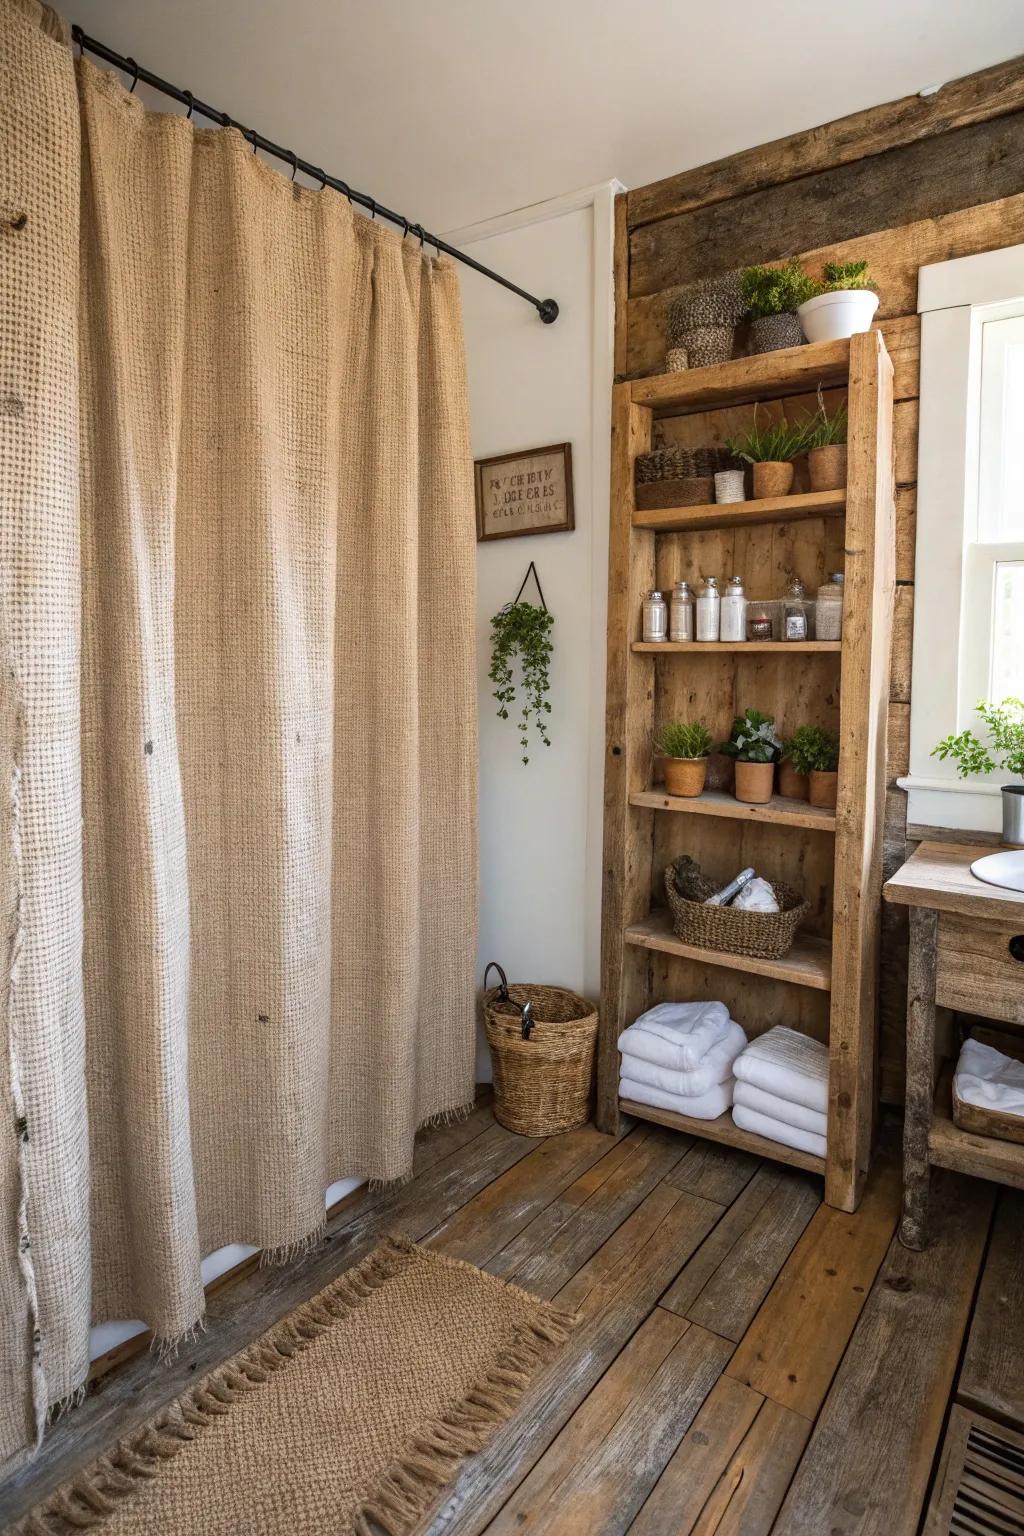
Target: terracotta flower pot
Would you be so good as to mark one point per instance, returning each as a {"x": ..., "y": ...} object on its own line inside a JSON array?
[
  {"x": 826, "y": 467},
  {"x": 754, "y": 782},
  {"x": 685, "y": 775},
  {"x": 823, "y": 789},
  {"x": 792, "y": 785},
  {"x": 772, "y": 479}
]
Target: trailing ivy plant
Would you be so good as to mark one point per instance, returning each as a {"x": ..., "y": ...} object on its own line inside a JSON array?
[{"x": 520, "y": 632}]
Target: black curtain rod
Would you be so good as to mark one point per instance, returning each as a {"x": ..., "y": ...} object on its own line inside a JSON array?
[{"x": 546, "y": 308}]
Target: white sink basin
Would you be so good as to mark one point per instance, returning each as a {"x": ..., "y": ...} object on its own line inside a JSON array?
[{"x": 1005, "y": 869}]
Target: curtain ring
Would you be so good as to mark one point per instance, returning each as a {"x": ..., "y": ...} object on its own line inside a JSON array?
[
  {"x": 225, "y": 120},
  {"x": 421, "y": 233},
  {"x": 293, "y": 157},
  {"x": 135, "y": 74},
  {"x": 373, "y": 208},
  {"x": 323, "y": 180},
  {"x": 250, "y": 134},
  {"x": 346, "y": 189},
  {"x": 191, "y": 104},
  {"x": 405, "y": 229}
]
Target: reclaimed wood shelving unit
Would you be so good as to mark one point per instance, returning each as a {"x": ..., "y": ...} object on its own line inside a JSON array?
[{"x": 827, "y": 985}]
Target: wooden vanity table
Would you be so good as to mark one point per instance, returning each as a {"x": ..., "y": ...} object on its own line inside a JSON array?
[{"x": 966, "y": 953}]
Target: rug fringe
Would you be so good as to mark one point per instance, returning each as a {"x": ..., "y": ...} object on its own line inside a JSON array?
[{"x": 97, "y": 1492}]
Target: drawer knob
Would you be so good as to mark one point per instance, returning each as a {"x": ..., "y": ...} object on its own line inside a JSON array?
[{"x": 1016, "y": 946}]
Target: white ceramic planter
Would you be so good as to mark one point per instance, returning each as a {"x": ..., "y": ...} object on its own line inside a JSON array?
[{"x": 831, "y": 316}]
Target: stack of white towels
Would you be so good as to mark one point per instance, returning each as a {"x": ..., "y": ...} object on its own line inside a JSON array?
[
  {"x": 680, "y": 1056},
  {"x": 782, "y": 1090}
]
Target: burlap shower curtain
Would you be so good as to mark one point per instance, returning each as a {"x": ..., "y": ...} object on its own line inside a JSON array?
[{"x": 238, "y": 850}]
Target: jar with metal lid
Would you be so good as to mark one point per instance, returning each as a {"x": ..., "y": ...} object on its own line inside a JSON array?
[
  {"x": 709, "y": 608},
  {"x": 655, "y": 617},
  {"x": 734, "y": 611},
  {"x": 828, "y": 610},
  {"x": 681, "y": 612}
]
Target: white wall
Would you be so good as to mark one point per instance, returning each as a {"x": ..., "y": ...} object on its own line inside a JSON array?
[{"x": 532, "y": 384}]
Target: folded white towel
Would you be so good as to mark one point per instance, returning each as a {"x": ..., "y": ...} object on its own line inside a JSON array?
[
  {"x": 715, "y": 1068},
  {"x": 677, "y": 1035},
  {"x": 989, "y": 1079},
  {"x": 788, "y": 1064},
  {"x": 770, "y": 1104},
  {"x": 699, "y": 1106},
  {"x": 775, "y": 1130}
]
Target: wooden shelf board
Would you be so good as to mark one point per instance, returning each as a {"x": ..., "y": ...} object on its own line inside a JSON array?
[
  {"x": 725, "y": 1130},
  {"x": 715, "y": 802},
  {"x": 808, "y": 964},
  {"x": 741, "y": 514},
  {"x": 717, "y": 647},
  {"x": 765, "y": 376},
  {"x": 984, "y": 1157}
]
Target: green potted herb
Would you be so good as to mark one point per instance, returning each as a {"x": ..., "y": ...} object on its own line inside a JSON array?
[
  {"x": 843, "y": 303},
  {"x": 812, "y": 755},
  {"x": 755, "y": 748},
  {"x": 772, "y": 296},
  {"x": 1005, "y": 725},
  {"x": 825, "y": 441},
  {"x": 771, "y": 450},
  {"x": 685, "y": 747},
  {"x": 522, "y": 632}
]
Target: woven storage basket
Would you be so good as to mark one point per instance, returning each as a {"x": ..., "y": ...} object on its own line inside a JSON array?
[
  {"x": 542, "y": 1083},
  {"x": 765, "y": 935},
  {"x": 693, "y": 491},
  {"x": 664, "y": 464}
]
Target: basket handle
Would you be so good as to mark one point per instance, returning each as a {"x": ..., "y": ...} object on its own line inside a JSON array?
[{"x": 526, "y": 1019}]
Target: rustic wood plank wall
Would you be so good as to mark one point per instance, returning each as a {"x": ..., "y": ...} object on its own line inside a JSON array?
[{"x": 911, "y": 182}]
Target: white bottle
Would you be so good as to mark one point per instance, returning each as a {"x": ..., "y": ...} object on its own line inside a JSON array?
[
  {"x": 709, "y": 607},
  {"x": 655, "y": 617},
  {"x": 734, "y": 611},
  {"x": 681, "y": 613}
]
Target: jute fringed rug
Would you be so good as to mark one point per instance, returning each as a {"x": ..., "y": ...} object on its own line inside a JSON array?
[{"x": 348, "y": 1417}]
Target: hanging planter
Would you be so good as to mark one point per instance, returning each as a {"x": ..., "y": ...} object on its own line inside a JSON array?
[{"x": 521, "y": 633}]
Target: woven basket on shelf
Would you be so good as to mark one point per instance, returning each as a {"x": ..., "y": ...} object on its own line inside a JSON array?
[
  {"x": 764, "y": 935},
  {"x": 543, "y": 1041}
]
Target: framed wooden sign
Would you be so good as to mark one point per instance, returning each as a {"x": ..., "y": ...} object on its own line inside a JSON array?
[{"x": 524, "y": 493}]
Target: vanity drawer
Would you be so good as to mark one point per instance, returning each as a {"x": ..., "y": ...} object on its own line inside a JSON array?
[{"x": 981, "y": 968}]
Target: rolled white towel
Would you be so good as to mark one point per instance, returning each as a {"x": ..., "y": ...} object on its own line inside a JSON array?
[
  {"x": 788, "y": 1064},
  {"x": 775, "y": 1130},
  {"x": 715, "y": 1068},
  {"x": 699, "y": 1106},
  {"x": 989, "y": 1079},
  {"x": 770, "y": 1104},
  {"x": 677, "y": 1035}
]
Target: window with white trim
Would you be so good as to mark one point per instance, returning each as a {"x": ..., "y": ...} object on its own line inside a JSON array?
[{"x": 969, "y": 576}]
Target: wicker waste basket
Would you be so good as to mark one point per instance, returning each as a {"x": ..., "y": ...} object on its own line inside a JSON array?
[{"x": 543, "y": 1042}]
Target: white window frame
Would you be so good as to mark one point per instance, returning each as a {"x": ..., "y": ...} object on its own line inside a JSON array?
[{"x": 955, "y": 298}]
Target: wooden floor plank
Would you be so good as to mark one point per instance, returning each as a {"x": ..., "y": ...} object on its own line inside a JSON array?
[
  {"x": 603, "y": 1489},
  {"x": 548, "y": 1252},
  {"x": 992, "y": 1374},
  {"x": 613, "y": 1293},
  {"x": 714, "y": 1172},
  {"x": 593, "y": 1420},
  {"x": 792, "y": 1348},
  {"x": 732, "y": 1295},
  {"x": 750, "y": 1492},
  {"x": 690, "y": 1478},
  {"x": 492, "y": 1218},
  {"x": 867, "y": 1466},
  {"x": 716, "y": 1248}
]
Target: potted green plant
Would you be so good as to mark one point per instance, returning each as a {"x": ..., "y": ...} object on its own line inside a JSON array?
[
  {"x": 522, "y": 632},
  {"x": 825, "y": 441},
  {"x": 1005, "y": 725},
  {"x": 755, "y": 748},
  {"x": 772, "y": 296},
  {"x": 812, "y": 753},
  {"x": 841, "y": 304},
  {"x": 685, "y": 746},
  {"x": 771, "y": 450}
]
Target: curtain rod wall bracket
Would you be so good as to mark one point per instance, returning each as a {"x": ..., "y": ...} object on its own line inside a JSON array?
[{"x": 547, "y": 309}]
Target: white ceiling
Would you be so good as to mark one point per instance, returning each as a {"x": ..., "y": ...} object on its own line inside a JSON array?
[{"x": 455, "y": 110}]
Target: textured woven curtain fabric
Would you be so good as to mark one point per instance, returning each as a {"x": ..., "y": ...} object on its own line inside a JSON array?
[{"x": 277, "y": 693}]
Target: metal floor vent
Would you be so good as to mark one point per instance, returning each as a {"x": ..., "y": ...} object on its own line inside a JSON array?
[{"x": 980, "y": 1487}]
